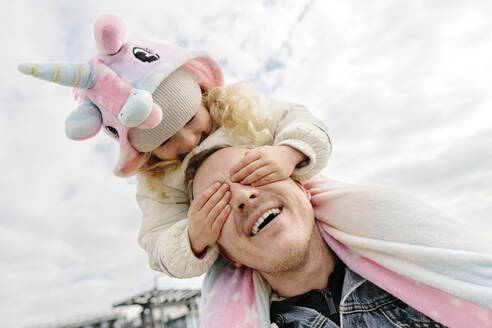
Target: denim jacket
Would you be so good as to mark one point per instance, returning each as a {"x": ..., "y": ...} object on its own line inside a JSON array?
[{"x": 363, "y": 304}]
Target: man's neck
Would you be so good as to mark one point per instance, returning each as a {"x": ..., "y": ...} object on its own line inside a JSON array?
[{"x": 312, "y": 274}]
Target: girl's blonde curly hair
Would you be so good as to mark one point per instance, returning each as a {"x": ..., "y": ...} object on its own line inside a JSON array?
[{"x": 234, "y": 107}]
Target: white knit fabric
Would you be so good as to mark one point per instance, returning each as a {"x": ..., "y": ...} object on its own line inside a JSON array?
[{"x": 179, "y": 97}]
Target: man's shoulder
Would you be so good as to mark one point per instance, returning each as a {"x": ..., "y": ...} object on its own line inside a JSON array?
[{"x": 363, "y": 301}]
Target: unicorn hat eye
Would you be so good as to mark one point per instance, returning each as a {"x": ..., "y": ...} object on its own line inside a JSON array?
[
  {"x": 144, "y": 55},
  {"x": 112, "y": 131}
]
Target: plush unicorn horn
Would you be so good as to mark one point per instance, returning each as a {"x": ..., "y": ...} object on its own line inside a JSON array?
[
  {"x": 70, "y": 75},
  {"x": 115, "y": 87}
]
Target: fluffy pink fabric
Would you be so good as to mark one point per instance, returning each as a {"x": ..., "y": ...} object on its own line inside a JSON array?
[
  {"x": 207, "y": 72},
  {"x": 438, "y": 305},
  {"x": 109, "y": 33},
  {"x": 449, "y": 310},
  {"x": 110, "y": 90},
  {"x": 155, "y": 116},
  {"x": 232, "y": 303}
]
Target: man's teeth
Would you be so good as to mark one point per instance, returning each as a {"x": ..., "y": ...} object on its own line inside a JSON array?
[{"x": 256, "y": 226}]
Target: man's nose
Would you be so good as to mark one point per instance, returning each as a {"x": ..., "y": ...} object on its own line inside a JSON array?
[{"x": 242, "y": 196}]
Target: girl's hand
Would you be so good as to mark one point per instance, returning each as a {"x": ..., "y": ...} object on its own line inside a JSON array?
[
  {"x": 266, "y": 164},
  {"x": 207, "y": 214}
]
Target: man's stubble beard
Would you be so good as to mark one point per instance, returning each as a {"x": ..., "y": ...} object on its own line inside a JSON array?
[{"x": 295, "y": 260}]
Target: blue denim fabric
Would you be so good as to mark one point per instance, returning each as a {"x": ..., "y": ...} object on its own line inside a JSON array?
[
  {"x": 363, "y": 305},
  {"x": 301, "y": 317},
  {"x": 366, "y": 305}
]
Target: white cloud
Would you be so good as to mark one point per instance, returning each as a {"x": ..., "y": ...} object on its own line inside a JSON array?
[{"x": 403, "y": 86}]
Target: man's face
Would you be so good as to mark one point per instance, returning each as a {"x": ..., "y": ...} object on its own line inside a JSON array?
[{"x": 272, "y": 247}]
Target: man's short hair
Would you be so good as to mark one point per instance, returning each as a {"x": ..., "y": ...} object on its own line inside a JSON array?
[{"x": 195, "y": 163}]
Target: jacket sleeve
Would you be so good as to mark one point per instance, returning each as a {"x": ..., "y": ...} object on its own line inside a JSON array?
[
  {"x": 295, "y": 126},
  {"x": 164, "y": 235}
]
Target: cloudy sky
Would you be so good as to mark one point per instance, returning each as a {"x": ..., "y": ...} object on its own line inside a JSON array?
[{"x": 404, "y": 87}]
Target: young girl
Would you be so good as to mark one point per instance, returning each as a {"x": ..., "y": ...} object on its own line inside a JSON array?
[{"x": 165, "y": 104}]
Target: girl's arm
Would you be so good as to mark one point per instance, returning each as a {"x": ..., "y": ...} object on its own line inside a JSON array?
[
  {"x": 164, "y": 235},
  {"x": 298, "y": 128},
  {"x": 301, "y": 147}
]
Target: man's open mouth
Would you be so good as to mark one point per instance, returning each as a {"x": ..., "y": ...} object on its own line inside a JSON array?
[{"x": 266, "y": 218}]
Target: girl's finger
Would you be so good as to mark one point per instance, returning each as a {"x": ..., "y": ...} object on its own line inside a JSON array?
[
  {"x": 249, "y": 157},
  {"x": 256, "y": 175},
  {"x": 214, "y": 199},
  {"x": 215, "y": 211},
  {"x": 221, "y": 218},
  {"x": 202, "y": 199},
  {"x": 266, "y": 180},
  {"x": 247, "y": 170}
]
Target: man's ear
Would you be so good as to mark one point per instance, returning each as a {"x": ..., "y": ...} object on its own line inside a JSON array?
[
  {"x": 308, "y": 194},
  {"x": 229, "y": 258}
]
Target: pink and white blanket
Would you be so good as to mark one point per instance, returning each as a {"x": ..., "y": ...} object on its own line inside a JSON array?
[{"x": 436, "y": 264}]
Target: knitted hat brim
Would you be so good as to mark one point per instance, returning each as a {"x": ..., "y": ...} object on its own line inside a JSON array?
[{"x": 179, "y": 96}]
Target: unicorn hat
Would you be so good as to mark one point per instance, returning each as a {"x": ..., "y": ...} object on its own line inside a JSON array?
[{"x": 115, "y": 88}]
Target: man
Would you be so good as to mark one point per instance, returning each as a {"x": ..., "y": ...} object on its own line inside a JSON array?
[{"x": 272, "y": 229}]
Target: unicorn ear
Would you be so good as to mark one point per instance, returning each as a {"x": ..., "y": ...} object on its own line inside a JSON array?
[
  {"x": 110, "y": 34},
  {"x": 83, "y": 122}
]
